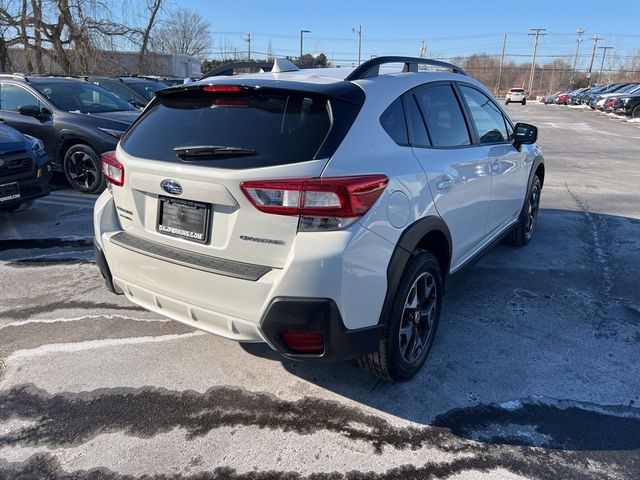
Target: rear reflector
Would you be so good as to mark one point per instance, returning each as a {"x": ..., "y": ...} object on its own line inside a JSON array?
[
  {"x": 304, "y": 342},
  {"x": 338, "y": 197},
  {"x": 112, "y": 169}
]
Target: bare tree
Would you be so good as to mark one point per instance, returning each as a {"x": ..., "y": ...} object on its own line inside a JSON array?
[
  {"x": 185, "y": 32},
  {"x": 153, "y": 6}
]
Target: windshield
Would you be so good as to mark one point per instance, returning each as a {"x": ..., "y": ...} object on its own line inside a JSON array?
[
  {"x": 147, "y": 89},
  {"x": 81, "y": 97}
]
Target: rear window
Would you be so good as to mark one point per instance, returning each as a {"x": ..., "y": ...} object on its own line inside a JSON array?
[
  {"x": 279, "y": 126},
  {"x": 517, "y": 90}
]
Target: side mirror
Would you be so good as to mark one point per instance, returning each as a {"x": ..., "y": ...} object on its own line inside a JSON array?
[
  {"x": 34, "y": 111},
  {"x": 29, "y": 110},
  {"x": 524, "y": 134}
]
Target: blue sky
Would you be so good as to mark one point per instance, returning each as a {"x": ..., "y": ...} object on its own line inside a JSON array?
[{"x": 449, "y": 28}]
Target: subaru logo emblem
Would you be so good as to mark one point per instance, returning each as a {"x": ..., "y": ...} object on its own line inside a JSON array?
[
  {"x": 171, "y": 186},
  {"x": 1, "y": 162}
]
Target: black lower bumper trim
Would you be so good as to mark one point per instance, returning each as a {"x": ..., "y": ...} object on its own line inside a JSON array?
[
  {"x": 317, "y": 315},
  {"x": 185, "y": 258},
  {"x": 101, "y": 261}
]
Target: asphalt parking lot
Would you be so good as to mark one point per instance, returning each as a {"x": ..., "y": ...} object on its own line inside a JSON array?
[{"x": 534, "y": 373}]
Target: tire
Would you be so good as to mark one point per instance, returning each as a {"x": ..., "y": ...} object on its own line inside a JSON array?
[
  {"x": 81, "y": 166},
  {"x": 399, "y": 356},
  {"x": 524, "y": 102},
  {"x": 522, "y": 233},
  {"x": 20, "y": 207},
  {"x": 635, "y": 113}
]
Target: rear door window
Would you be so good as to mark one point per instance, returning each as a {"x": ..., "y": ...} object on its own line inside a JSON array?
[
  {"x": 279, "y": 126},
  {"x": 442, "y": 113}
]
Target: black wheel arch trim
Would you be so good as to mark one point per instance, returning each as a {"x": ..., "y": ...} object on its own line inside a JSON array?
[{"x": 406, "y": 247}]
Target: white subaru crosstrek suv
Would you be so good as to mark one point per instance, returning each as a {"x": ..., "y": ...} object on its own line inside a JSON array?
[
  {"x": 315, "y": 212},
  {"x": 516, "y": 95}
]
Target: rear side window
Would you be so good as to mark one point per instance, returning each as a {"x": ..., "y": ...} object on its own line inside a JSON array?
[
  {"x": 279, "y": 126},
  {"x": 393, "y": 122},
  {"x": 441, "y": 111}
]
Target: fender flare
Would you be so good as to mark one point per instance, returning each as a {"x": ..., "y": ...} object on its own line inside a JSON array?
[{"x": 405, "y": 249}]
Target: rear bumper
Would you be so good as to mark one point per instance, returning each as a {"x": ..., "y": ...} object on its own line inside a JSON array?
[
  {"x": 330, "y": 283},
  {"x": 283, "y": 314}
]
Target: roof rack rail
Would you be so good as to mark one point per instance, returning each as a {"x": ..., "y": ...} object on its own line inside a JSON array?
[
  {"x": 228, "y": 69},
  {"x": 15, "y": 74},
  {"x": 371, "y": 68}
]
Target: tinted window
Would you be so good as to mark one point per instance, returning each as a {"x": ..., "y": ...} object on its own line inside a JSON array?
[
  {"x": 120, "y": 90},
  {"x": 485, "y": 115},
  {"x": 417, "y": 130},
  {"x": 147, "y": 89},
  {"x": 283, "y": 127},
  {"x": 13, "y": 97},
  {"x": 393, "y": 122},
  {"x": 81, "y": 97},
  {"x": 441, "y": 111},
  {"x": 517, "y": 90}
]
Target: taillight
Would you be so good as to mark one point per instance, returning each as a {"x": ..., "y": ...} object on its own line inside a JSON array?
[
  {"x": 332, "y": 203},
  {"x": 112, "y": 169}
]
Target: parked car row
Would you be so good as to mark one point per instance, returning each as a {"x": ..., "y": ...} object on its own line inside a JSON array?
[{"x": 619, "y": 98}]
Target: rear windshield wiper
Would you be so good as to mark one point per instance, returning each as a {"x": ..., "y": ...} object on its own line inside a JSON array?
[{"x": 208, "y": 151}]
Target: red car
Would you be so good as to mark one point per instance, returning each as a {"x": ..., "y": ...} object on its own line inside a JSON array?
[{"x": 563, "y": 99}]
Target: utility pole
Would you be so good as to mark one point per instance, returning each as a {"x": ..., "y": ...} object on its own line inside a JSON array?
[
  {"x": 604, "y": 53},
  {"x": 423, "y": 49},
  {"x": 302, "y": 32},
  {"x": 580, "y": 32},
  {"x": 593, "y": 55},
  {"x": 248, "y": 39},
  {"x": 359, "y": 32},
  {"x": 504, "y": 47},
  {"x": 536, "y": 32}
]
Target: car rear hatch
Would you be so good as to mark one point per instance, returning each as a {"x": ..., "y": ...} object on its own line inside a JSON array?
[{"x": 186, "y": 157}]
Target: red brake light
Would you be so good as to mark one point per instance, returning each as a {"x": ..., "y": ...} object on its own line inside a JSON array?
[
  {"x": 304, "y": 342},
  {"x": 112, "y": 169},
  {"x": 222, "y": 88},
  {"x": 331, "y": 197}
]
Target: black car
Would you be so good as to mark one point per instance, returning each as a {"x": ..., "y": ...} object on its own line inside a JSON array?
[
  {"x": 25, "y": 171},
  {"x": 628, "y": 105},
  {"x": 76, "y": 120}
]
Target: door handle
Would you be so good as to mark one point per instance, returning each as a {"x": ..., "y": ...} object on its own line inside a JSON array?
[
  {"x": 445, "y": 182},
  {"x": 496, "y": 166}
]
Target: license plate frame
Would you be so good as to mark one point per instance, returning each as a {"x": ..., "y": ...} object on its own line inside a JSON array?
[
  {"x": 6, "y": 189},
  {"x": 168, "y": 226}
]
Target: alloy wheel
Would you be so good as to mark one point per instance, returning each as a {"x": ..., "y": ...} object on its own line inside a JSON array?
[{"x": 418, "y": 317}]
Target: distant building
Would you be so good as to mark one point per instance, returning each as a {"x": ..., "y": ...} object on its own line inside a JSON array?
[{"x": 112, "y": 63}]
